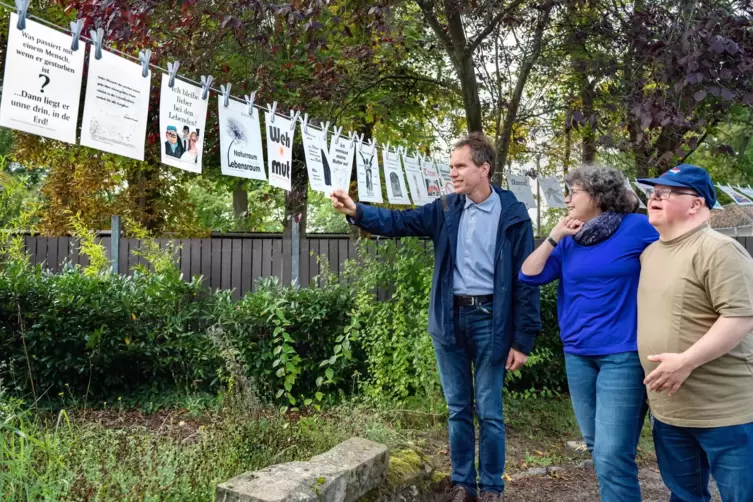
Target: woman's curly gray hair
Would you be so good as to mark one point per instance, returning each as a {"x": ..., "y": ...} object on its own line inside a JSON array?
[{"x": 605, "y": 185}]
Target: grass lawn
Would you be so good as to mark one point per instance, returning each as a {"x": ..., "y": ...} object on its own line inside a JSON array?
[{"x": 182, "y": 451}]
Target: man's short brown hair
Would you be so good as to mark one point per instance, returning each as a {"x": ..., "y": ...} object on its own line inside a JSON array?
[{"x": 482, "y": 150}]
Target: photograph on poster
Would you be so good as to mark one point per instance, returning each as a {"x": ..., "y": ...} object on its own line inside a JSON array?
[{"x": 182, "y": 117}]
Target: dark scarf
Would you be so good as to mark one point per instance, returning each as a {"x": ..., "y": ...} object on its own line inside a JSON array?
[{"x": 599, "y": 229}]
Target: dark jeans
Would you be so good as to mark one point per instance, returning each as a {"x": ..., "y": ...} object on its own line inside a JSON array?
[
  {"x": 687, "y": 455},
  {"x": 609, "y": 400},
  {"x": 463, "y": 368}
]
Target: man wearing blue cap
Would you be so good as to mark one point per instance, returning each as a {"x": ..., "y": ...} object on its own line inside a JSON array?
[
  {"x": 695, "y": 317},
  {"x": 173, "y": 147}
]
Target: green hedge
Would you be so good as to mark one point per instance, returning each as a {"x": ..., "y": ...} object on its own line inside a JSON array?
[{"x": 102, "y": 336}]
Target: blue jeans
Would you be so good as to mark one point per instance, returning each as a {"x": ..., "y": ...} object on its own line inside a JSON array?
[
  {"x": 687, "y": 455},
  {"x": 466, "y": 366},
  {"x": 609, "y": 400}
]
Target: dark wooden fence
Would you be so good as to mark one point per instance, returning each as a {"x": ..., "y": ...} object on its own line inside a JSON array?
[{"x": 226, "y": 261}]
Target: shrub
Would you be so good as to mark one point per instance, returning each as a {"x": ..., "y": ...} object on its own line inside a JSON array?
[
  {"x": 102, "y": 335},
  {"x": 94, "y": 334}
]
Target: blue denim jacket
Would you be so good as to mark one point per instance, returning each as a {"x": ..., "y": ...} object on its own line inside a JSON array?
[{"x": 516, "y": 311}]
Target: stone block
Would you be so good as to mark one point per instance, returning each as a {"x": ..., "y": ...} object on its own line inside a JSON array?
[{"x": 343, "y": 474}]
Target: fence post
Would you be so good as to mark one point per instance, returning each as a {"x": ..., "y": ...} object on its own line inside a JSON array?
[
  {"x": 115, "y": 244},
  {"x": 295, "y": 250}
]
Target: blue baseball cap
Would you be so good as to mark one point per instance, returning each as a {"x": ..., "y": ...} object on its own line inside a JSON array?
[
  {"x": 172, "y": 128},
  {"x": 687, "y": 176}
]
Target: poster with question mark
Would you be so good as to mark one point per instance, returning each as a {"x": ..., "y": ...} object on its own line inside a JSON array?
[
  {"x": 42, "y": 84},
  {"x": 116, "y": 106}
]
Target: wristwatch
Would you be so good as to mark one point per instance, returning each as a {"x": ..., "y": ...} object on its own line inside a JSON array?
[{"x": 552, "y": 241}]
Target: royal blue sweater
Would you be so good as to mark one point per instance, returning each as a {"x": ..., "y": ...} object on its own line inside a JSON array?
[{"x": 597, "y": 293}]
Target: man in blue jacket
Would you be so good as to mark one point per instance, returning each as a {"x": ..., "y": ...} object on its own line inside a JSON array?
[{"x": 482, "y": 320}]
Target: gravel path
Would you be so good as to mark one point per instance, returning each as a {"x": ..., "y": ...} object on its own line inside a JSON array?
[{"x": 580, "y": 485}]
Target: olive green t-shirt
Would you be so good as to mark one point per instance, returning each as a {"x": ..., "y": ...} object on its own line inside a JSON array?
[{"x": 686, "y": 284}]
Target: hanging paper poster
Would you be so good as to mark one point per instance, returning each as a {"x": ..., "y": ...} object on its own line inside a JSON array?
[
  {"x": 279, "y": 150},
  {"x": 748, "y": 192},
  {"x": 415, "y": 180},
  {"x": 317, "y": 161},
  {"x": 367, "y": 165},
  {"x": 552, "y": 191},
  {"x": 241, "y": 151},
  {"x": 643, "y": 187},
  {"x": 431, "y": 178},
  {"x": 42, "y": 85},
  {"x": 116, "y": 106},
  {"x": 182, "y": 119},
  {"x": 444, "y": 172},
  {"x": 629, "y": 187},
  {"x": 521, "y": 188},
  {"x": 737, "y": 197},
  {"x": 397, "y": 193},
  {"x": 341, "y": 153}
]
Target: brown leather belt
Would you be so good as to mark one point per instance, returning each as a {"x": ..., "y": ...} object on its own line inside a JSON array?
[{"x": 471, "y": 301}]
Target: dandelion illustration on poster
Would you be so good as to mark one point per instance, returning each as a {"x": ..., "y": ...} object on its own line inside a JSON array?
[{"x": 241, "y": 150}]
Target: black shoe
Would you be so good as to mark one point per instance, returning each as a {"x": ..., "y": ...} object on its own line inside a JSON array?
[
  {"x": 490, "y": 497},
  {"x": 460, "y": 494}
]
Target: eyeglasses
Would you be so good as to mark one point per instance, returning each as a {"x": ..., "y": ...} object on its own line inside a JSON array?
[
  {"x": 573, "y": 191},
  {"x": 172, "y": 134},
  {"x": 664, "y": 193}
]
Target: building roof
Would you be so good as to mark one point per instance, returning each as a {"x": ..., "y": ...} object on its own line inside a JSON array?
[{"x": 733, "y": 216}]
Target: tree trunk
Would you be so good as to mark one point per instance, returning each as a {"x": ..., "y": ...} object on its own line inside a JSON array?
[
  {"x": 568, "y": 142},
  {"x": 503, "y": 147},
  {"x": 588, "y": 154},
  {"x": 296, "y": 201},
  {"x": 471, "y": 101},
  {"x": 240, "y": 204}
]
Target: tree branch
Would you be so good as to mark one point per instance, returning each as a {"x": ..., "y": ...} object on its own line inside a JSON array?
[
  {"x": 377, "y": 82},
  {"x": 436, "y": 26},
  {"x": 514, "y": 105},
  {"x": 492, "y": 25},
  {"x": 446, "y": 85}
]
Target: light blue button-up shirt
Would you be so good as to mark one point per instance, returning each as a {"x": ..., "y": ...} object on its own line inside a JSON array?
[{"x": 477, "y": 240}]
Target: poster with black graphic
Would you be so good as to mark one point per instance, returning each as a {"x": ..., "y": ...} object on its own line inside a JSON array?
[
  {"x": 521, "y": 188},
  {"x": 397, "y": 193},
  {"x": 116, "y": 106},
  {"x": 182, "y": 121},
  {"x": 552, "y": 191},
  {"x": 317, "y": 158},
  {"x": 367, "y": 168},
  {"x": 415, "y": 180},
  {"x": 431, "y": 178},
  {"x": 444, "y": 173},
  {"x": 241, "y": 151},
  {"x": 341, "y": 151},
  {"x": 42, "y": 85},
  {"x": 279, "y": 150}
]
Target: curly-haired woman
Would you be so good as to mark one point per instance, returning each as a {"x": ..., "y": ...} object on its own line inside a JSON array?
[{"x": 595, "y": 253}]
